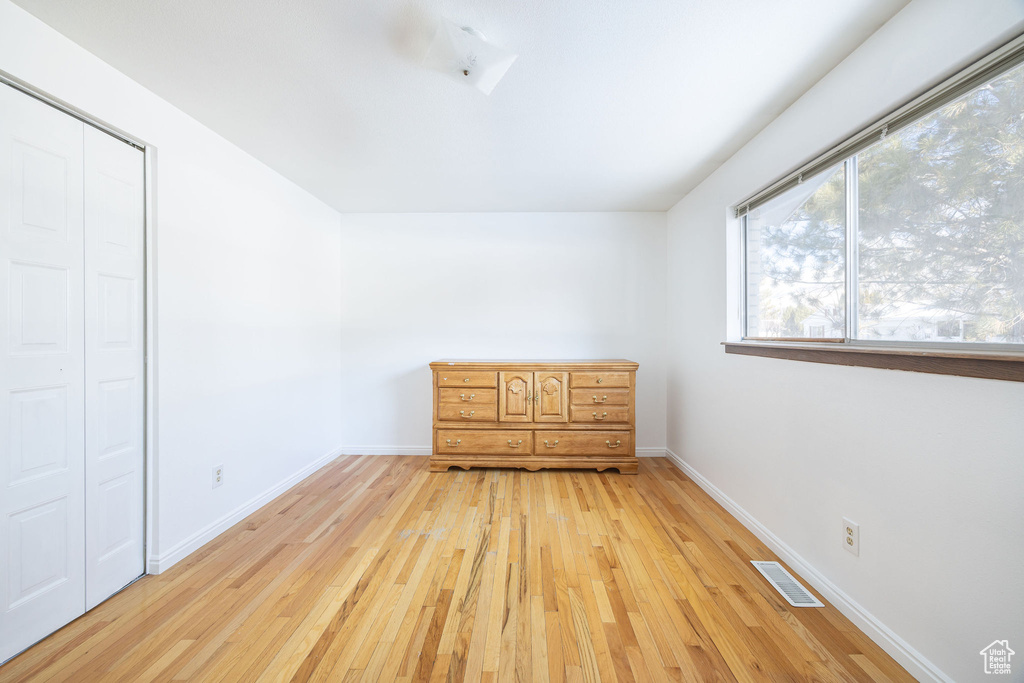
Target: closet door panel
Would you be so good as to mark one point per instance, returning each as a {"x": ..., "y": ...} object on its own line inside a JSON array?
[
  {"x": 42, "y": 577},
  {"x": 114, "y": 201}
]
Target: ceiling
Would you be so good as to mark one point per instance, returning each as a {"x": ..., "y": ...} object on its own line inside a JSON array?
[{"x": 611, "y": 106}]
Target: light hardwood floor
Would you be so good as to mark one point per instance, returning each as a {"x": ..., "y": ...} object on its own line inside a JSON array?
[{"x": 375, "y": 569}]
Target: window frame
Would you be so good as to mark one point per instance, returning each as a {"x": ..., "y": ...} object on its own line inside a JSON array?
[
  {"x": 991, "y": 360},
  {"x": 852, "y": 294}
]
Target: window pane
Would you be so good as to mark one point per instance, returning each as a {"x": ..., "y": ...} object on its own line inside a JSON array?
[
  {"x": 796, "y": 254},
  {"x": 941, "y": 223}
]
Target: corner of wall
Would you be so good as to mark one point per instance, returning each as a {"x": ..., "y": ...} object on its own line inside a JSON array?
[
  {"x": 913, "y": 661},
  {"x": 158, "y": 564}
]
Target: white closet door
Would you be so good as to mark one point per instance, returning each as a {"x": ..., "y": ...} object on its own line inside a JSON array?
[
  {"x": 114, "y": 365},
  {"x": 42, "y": 533}
]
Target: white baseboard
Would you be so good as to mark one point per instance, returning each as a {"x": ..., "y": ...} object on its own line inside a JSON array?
[
  {"x": 913, "y": 661},
  {"x": 166, "y": 560},
  {"x": 651, "y": 452},
  {"x": 386, "y": 450}
]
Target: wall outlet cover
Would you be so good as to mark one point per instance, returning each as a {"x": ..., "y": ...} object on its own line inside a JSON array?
[{"x": 851, "y": 537}]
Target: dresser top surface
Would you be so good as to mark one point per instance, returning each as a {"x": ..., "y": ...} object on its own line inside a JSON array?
[{"x": 539, "y": 363}]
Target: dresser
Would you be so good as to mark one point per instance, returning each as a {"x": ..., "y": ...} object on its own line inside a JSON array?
[{"x": 534, "y": 414}]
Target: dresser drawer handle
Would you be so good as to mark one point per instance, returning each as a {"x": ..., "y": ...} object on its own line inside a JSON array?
[
  {"x": 453, "y": 445},
  {"x": 463, "y": 414},
  {"x": 599, "y": 380},
  {"x": 466, "y": 380},
  {"x": 463, "y": 397},
  {"x": 517, "y": 445},
  {"x": 550, "y": 445},
  {"x": 604, "y": 399},
  {"x": 618, "y": 443},
  {"x": 603, "y": 415}
]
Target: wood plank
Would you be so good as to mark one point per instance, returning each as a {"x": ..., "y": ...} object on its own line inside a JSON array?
[
  {"x": 376, "y": 569},
  {"x": 1006, "y": 366}
]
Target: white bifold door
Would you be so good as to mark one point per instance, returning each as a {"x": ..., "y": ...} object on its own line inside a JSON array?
[
  {"x": 114, "y": 374},
  {"x": 71, "y": 368}
]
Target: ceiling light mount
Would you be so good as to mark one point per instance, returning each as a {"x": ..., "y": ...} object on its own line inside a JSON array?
[{"x": 464, "y": 52}]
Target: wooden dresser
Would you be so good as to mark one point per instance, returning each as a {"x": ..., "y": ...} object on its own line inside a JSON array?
[{"x": 535, "y": 414}]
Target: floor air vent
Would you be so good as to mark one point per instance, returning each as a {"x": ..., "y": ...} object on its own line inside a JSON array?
[{"x": 790, "y": 588}]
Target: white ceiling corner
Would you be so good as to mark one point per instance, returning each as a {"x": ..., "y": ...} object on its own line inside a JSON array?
[{"x": 611, "y": 106}]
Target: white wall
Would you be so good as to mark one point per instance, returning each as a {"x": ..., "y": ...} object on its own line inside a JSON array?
[
  {"x": 252, "y": 340},
  {"x": 419, "y": 287},
  {"x": 247, "y": 273},
  {"x": 931, "y": 467}
]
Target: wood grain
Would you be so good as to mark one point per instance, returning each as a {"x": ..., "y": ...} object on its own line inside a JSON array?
[
  {"x": 551, "y": 396},
  {"x": 600, "y": 379},
  {"x": 599, "y": 414},
  {"x": 1004, "y": 366},
  {"x": 468, "y": 395},
  {"x": 596, "y": 397},
  {"x": 515, "y": 396},
  {"x": 467, "y": 378},
  {"x": 534, "y": 397},
  {"x": 512, "y": 443},
  {"x": 581, "y": 443},
  {"x": 459, "y": 412},
  {"x": 374, "y": 569}
]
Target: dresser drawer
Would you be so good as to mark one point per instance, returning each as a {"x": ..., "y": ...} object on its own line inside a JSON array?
[
  {"x": 581, "y": 443},
  {"x": 467, "y": 378},
  {"x": 599, "y": 414},
  {"x": 468, "y": 395},
  {"x": 599, "y": 379},
  {"x": 466, "y": 412},
  {"x": 600, "y": 397},
  {"x": 484, "y": 442}
]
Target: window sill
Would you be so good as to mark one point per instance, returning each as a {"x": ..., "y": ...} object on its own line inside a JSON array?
[{"x": 986, "y": 365}]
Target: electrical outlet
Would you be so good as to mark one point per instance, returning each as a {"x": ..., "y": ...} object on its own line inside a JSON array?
[
  {"x": 218, "y": 475},
  {"x": 851, "y": 537}
]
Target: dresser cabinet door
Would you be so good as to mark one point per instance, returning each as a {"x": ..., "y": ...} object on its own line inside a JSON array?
[
  {"x": 551, "y": 397},
  {"x": 515, "y": 400}
]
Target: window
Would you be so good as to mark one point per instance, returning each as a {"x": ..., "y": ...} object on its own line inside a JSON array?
[
  {"x": 914, "y": 235},
  {"x": 796, "y": 260}
]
